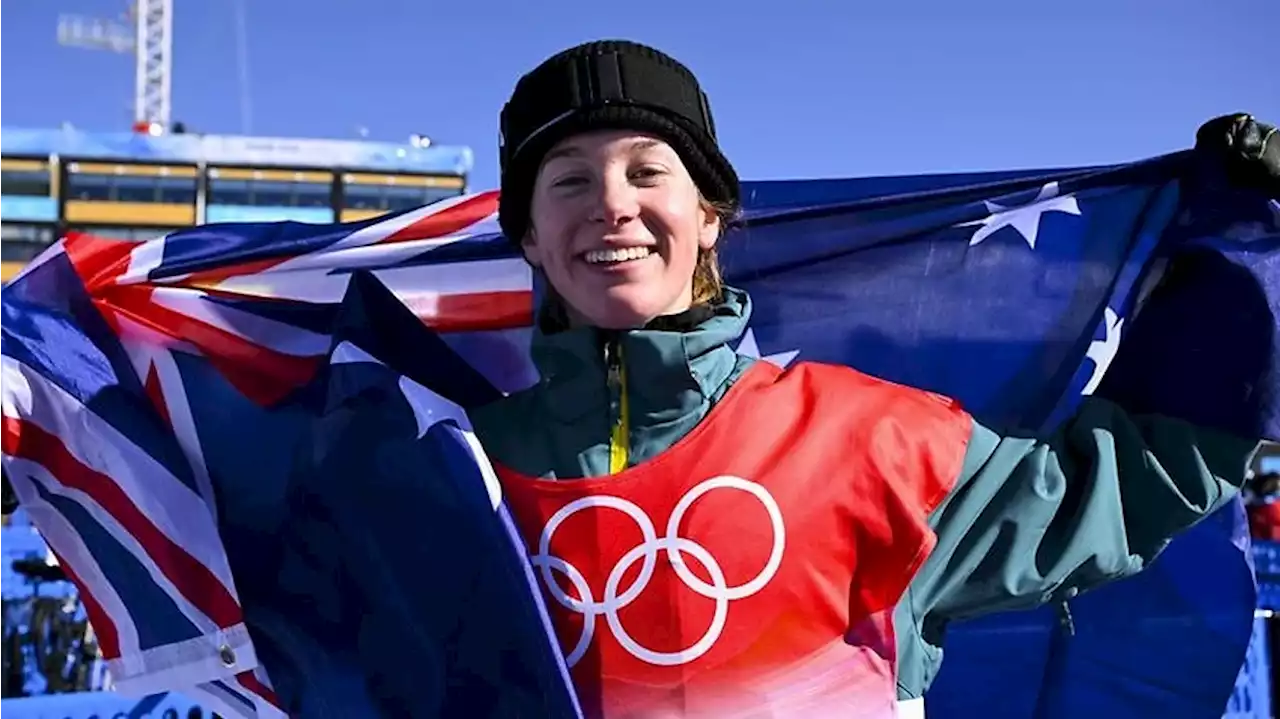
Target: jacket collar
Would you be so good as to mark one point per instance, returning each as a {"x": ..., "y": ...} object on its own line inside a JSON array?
[{"x": 673, "y": 364}]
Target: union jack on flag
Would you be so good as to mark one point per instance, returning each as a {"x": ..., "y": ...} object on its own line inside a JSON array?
[
  {"x": 156, "y": 396},
  {"x": 100, "y": 434}
]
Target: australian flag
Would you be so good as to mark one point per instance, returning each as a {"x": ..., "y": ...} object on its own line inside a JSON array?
[{"x": 248, "y": 446}]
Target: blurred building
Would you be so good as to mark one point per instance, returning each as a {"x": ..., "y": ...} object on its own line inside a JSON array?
[{"x": 137, "y": 185}]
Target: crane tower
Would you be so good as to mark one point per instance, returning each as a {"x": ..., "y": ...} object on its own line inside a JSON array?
[
  {"x": 150, "y": 39},
  {"x": 153, "y": 61}
]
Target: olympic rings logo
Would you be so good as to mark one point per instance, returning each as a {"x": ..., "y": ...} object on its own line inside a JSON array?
[{"x": 647, "y": 553}]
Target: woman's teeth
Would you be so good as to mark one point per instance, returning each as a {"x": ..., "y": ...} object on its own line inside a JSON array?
[{"x": 596, "y": 257}]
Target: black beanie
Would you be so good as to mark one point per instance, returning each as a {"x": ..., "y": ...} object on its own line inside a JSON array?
[{"x": 608, "y": 84}]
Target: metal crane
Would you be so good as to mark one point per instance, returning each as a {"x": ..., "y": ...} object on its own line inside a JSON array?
[{"x": 150, "y": 39}]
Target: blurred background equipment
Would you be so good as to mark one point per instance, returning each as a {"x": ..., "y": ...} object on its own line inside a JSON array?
[
  {"x": 159, "y": 177},
  {"x": 48, "y": 645},
  {"x": 146, "y": 30}
]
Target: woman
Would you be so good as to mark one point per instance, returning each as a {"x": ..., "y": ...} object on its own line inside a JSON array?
[{"x": 719, "y": 538}]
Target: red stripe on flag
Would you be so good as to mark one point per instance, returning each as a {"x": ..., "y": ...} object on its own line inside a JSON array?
[
  {"x": 260, "y": 372},
  {"x": 249, "y": 681},
  {"x": 156, "y": 394},
  {"x": 449, "y": 220},
  {"x": 263, "y": 388},
  {"x": 99, "y": 262},
  {"x": 194, "y": 580},
  {"x": 475, "y": 311},
  {"x": 214, "y": 275},
  {"x": 103, "y": 626}
]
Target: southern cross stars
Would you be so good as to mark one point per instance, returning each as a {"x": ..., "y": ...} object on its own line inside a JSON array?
[
  {"x": 749, "y": 348},
  {"x": 1023, "y": 218},
  {"x": 1103, "y": 351}
]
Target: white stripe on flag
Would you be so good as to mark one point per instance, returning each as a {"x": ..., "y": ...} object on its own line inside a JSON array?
[
  {"x": 144, "y": 258},
  {"x": 459, "y": 278},
  {"x": 382, "y": 230},
  {"x": 63, "y": 538},
  {"x": 173, "y": 507},
  {"x": 278, "y": 336},
  {"x": 174, "y": 395},
  {"x": 130, "y": 543},
  {"x": 231, "y": 702},
  {"x": 186, "y": 663},
  {"x": 338, "y": 259}
]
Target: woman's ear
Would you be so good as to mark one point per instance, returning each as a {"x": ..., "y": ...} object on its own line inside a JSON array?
[{"x": 709, "y": 233}]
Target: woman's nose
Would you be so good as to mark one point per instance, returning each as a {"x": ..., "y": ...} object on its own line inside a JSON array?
[{"x": 617, "y": 201}]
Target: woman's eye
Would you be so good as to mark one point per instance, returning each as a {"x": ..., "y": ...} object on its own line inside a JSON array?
[
  {"x": 569, "y": 181},
  {"x": 647, "y": 172}
]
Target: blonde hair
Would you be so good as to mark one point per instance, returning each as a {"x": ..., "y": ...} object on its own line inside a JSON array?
[{"x": 708, "y": 285}]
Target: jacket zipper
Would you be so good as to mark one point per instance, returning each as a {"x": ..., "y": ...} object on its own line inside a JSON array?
[{"x": 620, "y": 430}]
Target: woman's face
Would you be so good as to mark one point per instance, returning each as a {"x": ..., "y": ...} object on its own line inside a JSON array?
[{"x": 616, "y": 226}]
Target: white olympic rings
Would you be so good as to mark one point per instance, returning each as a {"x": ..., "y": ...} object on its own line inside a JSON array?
[{"x": 647, "y": 553}]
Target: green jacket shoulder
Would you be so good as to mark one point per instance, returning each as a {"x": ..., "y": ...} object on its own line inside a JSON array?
[{"x": 1033, "y": 521}]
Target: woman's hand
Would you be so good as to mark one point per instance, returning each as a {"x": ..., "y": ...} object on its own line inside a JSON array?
[{"x": 1248, "y": 149}]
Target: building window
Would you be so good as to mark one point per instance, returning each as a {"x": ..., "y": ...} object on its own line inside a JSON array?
[
  {"x": 230, "y": 192},
  {"x": 21, "y": 243},
  {"x": 269, "y": 193},
  {"x": 314, "y": 194},
  {"x": 176, "y": 190},
  {"x": 25, "y": 183},
  {"x": 89, "y": 188},
  {"x": 135, "y": 189},
  {"x": 273, "y": 194},
  {"x": 399, "y": 197},
  {"x": 96, "y": 187},
  {"x": 363, "y": 197},
  {"x": 393, "y": 198}
]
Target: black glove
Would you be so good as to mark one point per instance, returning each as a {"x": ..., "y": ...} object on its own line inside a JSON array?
[
  {"x": 1248, "y": 150},
  {"x": 8, "y": 499}
]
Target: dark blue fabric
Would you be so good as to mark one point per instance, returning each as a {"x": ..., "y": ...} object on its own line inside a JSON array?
[{"x": 400, "y": 589}]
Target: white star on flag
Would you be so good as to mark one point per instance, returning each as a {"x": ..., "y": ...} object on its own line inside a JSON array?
[
  {"x": 1023, "y": 218},
  {"x": 428, "y": 407},
  {"x": 1104, "y": 350},
  {"x": 749, "y": 348}
]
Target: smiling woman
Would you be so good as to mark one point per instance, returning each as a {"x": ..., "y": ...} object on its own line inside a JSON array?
[
  {"x": 838, "y": 522},
  {"x": 618, "y": 226}
]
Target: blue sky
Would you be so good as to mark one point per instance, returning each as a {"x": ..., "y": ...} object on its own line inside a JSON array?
[{"x": 799, "y": 88}]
